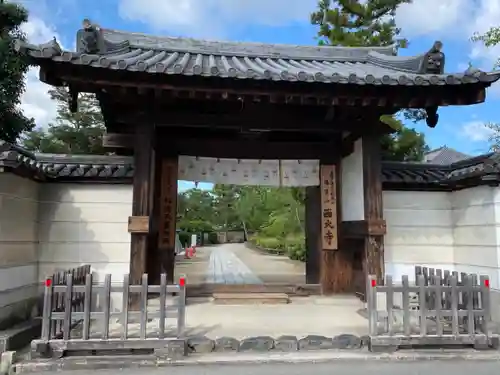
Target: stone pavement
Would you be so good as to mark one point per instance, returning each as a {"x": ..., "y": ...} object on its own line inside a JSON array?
[
  {"x": 328, "y": 316},
  {"x": 225, "y": 267},
  {"x": 238, "y": 264}
]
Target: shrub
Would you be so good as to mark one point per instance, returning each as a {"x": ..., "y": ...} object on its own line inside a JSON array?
[
  {"x": 269, "y": 242},
  {"x": 296, "y": 247}
]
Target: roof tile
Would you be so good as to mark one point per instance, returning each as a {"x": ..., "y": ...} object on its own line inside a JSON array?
[{"x": 190, "y": 57}]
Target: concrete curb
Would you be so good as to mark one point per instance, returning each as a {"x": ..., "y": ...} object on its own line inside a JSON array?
[{"x": 93, "y": 363}]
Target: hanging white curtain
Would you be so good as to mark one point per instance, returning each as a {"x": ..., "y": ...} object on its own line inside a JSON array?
[{"x": 249, "y": 171}]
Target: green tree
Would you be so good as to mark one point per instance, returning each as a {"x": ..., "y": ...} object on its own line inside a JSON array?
[
  {"x": 195, "y": 211},
  {"x": 489, "y": 39},
  {"x": 273, "y": 218},
  {"x": 356, "y": 23},
  {"x": 71, "y": 133},
  {"x": 12, "y": 71},
  {"x": 225, "y": 215}
]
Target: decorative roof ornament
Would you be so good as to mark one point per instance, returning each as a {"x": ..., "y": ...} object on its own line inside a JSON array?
[
  {"x": 433, "y": 62},
  {"x": 88, "y": 37}
]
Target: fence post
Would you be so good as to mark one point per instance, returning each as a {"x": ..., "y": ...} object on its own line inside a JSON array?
[
  {"x": 486, "y": 304},
  {"x": 163, "y": 301},
  {"x": 371, "y": 293},
  {"x": 106, "y": 306},
  {"x": 438, "y": 304},
  {"x": 125, "y": 303},
  {"x": 389, "y": 299},
  {"x": 47, "y": 310},
  {"x": 68, "y": 301},
  {"x": 144, "y": 307},
  {"x": 422, "y": 299},
  {"x": 181, "y": 315},
  {"x": 406, "y": 305},
  {"x": 454, "y": 305},
  {"x": 87, "y": 305}
]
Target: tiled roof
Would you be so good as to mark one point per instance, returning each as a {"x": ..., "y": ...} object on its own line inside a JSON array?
[
  {"x": 184, "y": 56},
  {"x": 445, "y": 156},
  {"x": 398, "y": 175}
]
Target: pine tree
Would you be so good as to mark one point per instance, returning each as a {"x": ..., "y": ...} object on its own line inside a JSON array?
[
  {"x": 355, "y": 23},
  {"x": 71, "y": 133},
  {"x": 13, "y": 68}
]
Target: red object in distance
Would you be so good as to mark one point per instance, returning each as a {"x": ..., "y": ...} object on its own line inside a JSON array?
[
  {"x": 374, "y": 283},
  {"x": 487, "y": 283},
  {"x": 182, "y": 281},
  {"x": 48, "y": 283}
]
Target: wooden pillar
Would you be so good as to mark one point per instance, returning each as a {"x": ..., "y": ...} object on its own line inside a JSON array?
[
  {"x": 335, "y": 261},
  {"x": 167, "y": 216},
  {"x": 373, "y": 205},
  {"x": 313, "y": 234},
  {"x": 141, "y": 202}
]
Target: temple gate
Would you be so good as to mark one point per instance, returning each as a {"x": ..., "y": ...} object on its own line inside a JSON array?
[{"x": 163, "y": 97}]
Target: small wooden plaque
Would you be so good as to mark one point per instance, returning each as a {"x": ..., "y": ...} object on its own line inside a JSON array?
[{"x": 138, "y": 224}]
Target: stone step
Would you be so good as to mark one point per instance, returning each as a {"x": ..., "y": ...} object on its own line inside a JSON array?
[
  {"x": 20, "y": 335},
  {"x": 250, "y": 298}
]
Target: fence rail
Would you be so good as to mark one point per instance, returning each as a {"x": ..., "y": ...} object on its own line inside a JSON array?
[
  {"x": 92, "y": 336},
  {"x": 448, "y": 312}
]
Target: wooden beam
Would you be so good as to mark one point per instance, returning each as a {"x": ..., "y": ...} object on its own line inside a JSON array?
[
  {"x": 248, "y": 149},
  {"x": 141, "y": 199},
  {"x": 373, "y": 205},
  {"x": 363, "y": 228},
  {"x": 237, "y": 149},
  {"x": 391, "y": 97},
  {"x": 117, "y": 140}
]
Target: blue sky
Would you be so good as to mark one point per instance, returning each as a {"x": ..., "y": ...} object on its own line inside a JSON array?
[{"x": 284, "y": 21}]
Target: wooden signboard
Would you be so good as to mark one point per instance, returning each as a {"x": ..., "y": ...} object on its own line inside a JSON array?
[
  {"x": 168, "y": 204},
  {"x": 329, "y": 227}
]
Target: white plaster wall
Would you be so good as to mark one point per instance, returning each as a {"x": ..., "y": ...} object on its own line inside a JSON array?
[
  {"x": 419, "y": 231},
  {"x": 456, "y": 231},
  {"x": 18, "y": 242},
  {"x": 84, "y": 224},
  {"x": 352, "y": 199},
  {"x": 475, "y": 232}
]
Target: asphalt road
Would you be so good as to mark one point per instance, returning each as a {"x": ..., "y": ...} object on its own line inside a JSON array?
[{"x": 339, "y": 368}]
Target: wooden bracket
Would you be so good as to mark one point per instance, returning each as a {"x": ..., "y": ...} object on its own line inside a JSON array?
[
  {"x": 363, "y": 228},
  {"x": 138, "y": 224}
]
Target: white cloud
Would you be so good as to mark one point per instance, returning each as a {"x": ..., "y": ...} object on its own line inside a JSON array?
[
  {"x": 215, "y": 18},
  {"x": 476, "y": 131},
  {"x": 35, "y": 101},
  {"x": 428, "y": 17}
]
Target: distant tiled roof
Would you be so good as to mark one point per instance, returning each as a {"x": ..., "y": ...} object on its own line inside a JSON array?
[
  {"x": 445, "y": 156},
  {"x": 185, "y": 56},
  {"x": 484, "y": 169}
]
